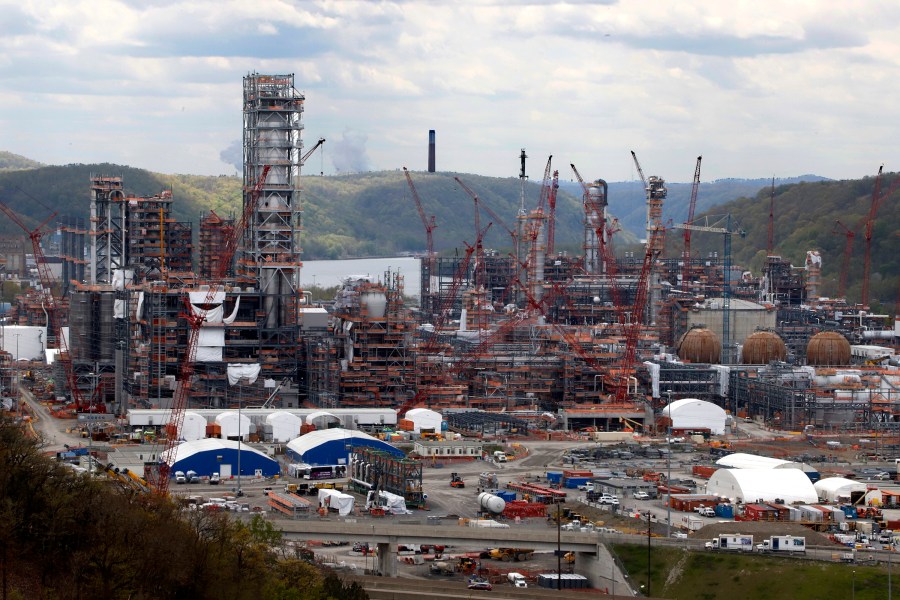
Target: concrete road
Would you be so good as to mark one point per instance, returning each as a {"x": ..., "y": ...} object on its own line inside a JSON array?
[{"x": 51, "y": 430}]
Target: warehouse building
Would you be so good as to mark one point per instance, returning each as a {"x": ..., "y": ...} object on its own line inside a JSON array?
[
  {"x": 333, "y": 446},
  {"x": 212, "y": 455}
]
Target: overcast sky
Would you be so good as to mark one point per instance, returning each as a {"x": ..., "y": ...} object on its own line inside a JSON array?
[{"x": 759, "y": 88}]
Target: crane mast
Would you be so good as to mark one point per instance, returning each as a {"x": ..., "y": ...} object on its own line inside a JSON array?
[{"x": 687, "y": 271}]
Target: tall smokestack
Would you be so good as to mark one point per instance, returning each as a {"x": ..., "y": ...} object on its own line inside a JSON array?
[{"x": 431, "y": 150}]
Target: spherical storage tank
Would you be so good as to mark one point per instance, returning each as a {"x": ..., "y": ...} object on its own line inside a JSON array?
[
  {"x": 699, "y": 345},
  {"x": 763, "y": 347},
  {"x": 828, "y": 348}
]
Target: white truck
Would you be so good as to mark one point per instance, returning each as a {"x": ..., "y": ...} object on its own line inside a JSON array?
[
  {"x": 500, "y": 456},
  {"x": 517, "y": 580},
  {"x": 692, "y": 523},
  {"x": 737, "y": 542},
  {"x": 782, "y": 543},
  {"x": 179, "y": 477}
]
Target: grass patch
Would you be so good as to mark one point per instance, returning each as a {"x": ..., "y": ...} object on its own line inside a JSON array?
[{"x": 724, "y": 576}]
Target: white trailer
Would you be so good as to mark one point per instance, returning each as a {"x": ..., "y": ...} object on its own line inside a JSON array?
[
  {"x": 738, "y": 542},
  {"x": 782, "y": 543},
  {"x": 692, "y": 523}
]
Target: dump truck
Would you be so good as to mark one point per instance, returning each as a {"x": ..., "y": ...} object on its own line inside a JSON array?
[{"x": 508, "y": 554}]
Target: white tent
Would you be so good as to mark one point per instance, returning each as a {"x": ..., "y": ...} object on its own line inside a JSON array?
[
  {"x": 691, "y": 413},
  {"x": 320, "y": 414},
  {"x": 285, "y": 426},
  {"x": 193, "y": 427},
  {"x": 233, "y": 424},
  {"x": 766, "y": 485},
  {"x": 741, "y": 460},
  {"x": 424, "y": 418},
  {"x": 833, "y": 489},
  {"x": 343, "y": 503}
]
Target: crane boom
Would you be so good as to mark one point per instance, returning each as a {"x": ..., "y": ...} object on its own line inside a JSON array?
[
  {"x": 429, "y": 224},
  {"x": 877, "y": 198},
  {"x": 311, "y": 150},
  {"x": 845, "y": 263},
  {"x": 159, "y": 480},
  {"x": 686, "y": 268},
  {"x": 551, "y": 217}
]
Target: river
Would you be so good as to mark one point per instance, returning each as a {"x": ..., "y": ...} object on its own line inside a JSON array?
[{"x": 329, "y": 273}]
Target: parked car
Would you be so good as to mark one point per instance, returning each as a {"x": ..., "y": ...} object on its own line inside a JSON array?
[
  {"x": 641, "y": 496},
  {"x": 608, "y": 499},
  {"x": 480, "y": 585},
  {"x": 214, "y": 479}
]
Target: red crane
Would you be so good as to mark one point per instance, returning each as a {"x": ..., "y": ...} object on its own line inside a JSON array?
[
  {"x": 687, "y": 272},
  {"x": 430, "y": 346},
  {"x": 159, "y": 481},
  {"x": 877, "y": 199},
  {"x": 487, "y": 208},
  {"x": 845, "y": 263},
  {"x": 54, "y": 324},
  {"x": 428, "y": 223}
]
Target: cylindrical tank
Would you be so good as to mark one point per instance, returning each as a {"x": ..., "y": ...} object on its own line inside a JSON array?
[
  {"x": 699, "y": 345},
  {"x": 828, "y": 348},
  {"x": 491, "y": 503},
  {"x": 762, "y": 347}
]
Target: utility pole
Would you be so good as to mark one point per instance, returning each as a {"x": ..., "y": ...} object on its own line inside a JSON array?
[{"x": 648, "y": 551}]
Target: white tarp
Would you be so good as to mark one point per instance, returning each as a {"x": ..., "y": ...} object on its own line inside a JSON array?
[
  {"x": 210, "y": 343},
  {"x": 392, "y": 503},
  {"x": 211, "y": 315},
  {"x": 654, "y": 369},
  {"x": 239, "y": 371},
  {"x": 333, "y": 499}
]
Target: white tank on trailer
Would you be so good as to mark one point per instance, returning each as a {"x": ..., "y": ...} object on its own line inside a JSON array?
[{"x": 491, "y": 503}]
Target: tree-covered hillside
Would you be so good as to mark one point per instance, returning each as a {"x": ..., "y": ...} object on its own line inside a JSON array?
[
  {"x": 14, "y": 162},
  {"x": 805, "y": 216},
  {"x": 344, "y": 216}
]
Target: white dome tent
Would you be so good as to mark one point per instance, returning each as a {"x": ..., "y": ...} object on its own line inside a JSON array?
[
  {"x": 837, "y": 489},
  {"x": 233, "y": 424},
  {"x": 692, "y": 413},
  {"x": 766, "y": 485},
  {"x": 285, "y": 426},
  {"x": 424, "y": 419},
  {"x": 193, "y": 427}
]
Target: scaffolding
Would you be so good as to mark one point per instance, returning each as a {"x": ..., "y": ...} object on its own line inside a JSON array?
[
  {"x": 108, "y": 228},
  {"x": 214, "y": 232},
  {"x": 385, "y": 472}
]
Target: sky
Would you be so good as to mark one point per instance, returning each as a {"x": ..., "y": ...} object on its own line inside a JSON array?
[{"x": 759, "y": 88}]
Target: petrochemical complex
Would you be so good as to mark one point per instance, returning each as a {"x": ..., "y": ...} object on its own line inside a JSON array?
[{"x": 534, "y": 342}]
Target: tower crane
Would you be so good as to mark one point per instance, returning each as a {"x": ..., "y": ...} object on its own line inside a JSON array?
[
  {"x": 877, "y": 199},
  {"x": 158, "y": 476},
  {"x": 720, "y": 224},
  {"x": 687, "y": 271},
  {"x": 430, "y": 225},
  {"x": 845, "y": 262}
]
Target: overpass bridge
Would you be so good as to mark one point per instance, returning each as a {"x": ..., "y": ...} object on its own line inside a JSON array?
[{"x": 592, "y": 559}]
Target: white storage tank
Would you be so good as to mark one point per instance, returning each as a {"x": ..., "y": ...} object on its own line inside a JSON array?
[{"x": 491, "y": 503}]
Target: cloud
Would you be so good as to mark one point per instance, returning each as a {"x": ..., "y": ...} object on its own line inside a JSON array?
[{"x": 348, "y": 154}]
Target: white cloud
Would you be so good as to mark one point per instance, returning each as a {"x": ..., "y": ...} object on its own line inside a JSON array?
[{"x": 757, "y": 87}]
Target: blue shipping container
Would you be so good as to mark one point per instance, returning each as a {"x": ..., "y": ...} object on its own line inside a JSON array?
[
  {"x": 554, "y": 476},
  {"x": 726, "y": 511},
  {"x": 574, "y": 482}
]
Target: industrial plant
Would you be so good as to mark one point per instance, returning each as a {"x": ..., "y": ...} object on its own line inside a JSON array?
[{"x": 536, "y": 341}]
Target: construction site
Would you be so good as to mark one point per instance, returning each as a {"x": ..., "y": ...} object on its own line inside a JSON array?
[{"x": 596, "y": 342}]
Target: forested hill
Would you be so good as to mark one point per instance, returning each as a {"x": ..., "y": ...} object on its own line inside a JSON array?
[
  {"x": 344, "y": 216},
  {"x": 805, "y": 215}
]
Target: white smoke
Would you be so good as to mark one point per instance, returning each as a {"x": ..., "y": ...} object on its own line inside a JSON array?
[{"x": 348, "y": 154}]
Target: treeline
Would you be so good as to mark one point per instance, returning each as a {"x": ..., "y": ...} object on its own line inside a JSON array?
[{"x": 70, "y": 536}]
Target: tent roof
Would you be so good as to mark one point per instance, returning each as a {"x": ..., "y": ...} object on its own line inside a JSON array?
[
  {"x": 741, "y": 460},
  {"x": 188, "y": 449},
  {"x": 750, "y": 485},
  {"x": 310, "y": 440}
]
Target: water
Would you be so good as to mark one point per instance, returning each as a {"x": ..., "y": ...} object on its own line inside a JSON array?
[{"x": 329, "y": 273}]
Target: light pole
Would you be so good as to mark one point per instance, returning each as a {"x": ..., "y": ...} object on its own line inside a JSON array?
[
  {"x": 18, "y": 378},
  {"x": 853, "y": 586},
  {"x": 648, "y": 551},
  {"x": 240, "y": 492},
  {"x": 669, "y": 470}
]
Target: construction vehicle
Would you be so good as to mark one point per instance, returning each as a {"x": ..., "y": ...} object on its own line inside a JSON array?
[
  {"x": 508, "y": 554},
  {"x": 456, "y": 481}
]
